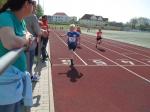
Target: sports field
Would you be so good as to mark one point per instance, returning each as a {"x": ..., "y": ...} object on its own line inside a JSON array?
[
  {"x": 115, "y": 77},
  {"x": 136, "y": 38}
]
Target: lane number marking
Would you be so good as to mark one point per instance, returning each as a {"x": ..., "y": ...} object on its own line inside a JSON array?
[
  {"x": 66, "y": 61},
  {"x": 127, "y": 62},
  {"x": 99, "y": 62}
]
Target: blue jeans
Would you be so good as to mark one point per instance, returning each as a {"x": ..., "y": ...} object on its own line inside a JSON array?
[
  {"x": 43, "y": 48},
  {"x": 30, "y": 57},
  {"x": 16, "y": 107}
]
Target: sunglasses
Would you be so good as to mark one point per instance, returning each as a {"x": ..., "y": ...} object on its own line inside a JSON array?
[{"x": 32, "y": 2}]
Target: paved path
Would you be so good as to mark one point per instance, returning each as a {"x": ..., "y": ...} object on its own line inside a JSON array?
[{"x": 42, "y": 90}]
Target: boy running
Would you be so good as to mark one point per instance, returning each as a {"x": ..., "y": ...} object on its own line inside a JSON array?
[
  {"x": 98, "y": 37},
  {"x": 72, "y": 40}
]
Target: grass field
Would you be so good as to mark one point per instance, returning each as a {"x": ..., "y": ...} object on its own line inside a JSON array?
[{"x": 136, "y": 38}]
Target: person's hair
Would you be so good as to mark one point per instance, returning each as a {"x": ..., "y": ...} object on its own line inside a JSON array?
[
  {"x": 99, "y": 29},
  {"x": 33, "y": 2},
  {"x": 14, "y": 5},
  {"x": 72, "y": 25},
  {"x": 44, "y": 17}
]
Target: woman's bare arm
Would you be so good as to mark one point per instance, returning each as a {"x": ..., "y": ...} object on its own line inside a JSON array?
[{"x": 10, "y": 40}]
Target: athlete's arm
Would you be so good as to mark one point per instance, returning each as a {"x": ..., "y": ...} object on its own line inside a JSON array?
[{"x": 63, "y": 35}]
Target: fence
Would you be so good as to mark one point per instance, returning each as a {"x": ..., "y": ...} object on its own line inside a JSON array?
[{"x": 9, "y": 58}]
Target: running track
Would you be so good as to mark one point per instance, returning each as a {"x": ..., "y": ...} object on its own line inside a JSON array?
[{"x": 113, "y": 78}]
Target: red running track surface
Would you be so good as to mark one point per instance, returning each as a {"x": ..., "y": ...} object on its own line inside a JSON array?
[{"x": 113, "y": 78}]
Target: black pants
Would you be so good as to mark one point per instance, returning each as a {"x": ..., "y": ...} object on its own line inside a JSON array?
[{"x": 43, "y": 48}]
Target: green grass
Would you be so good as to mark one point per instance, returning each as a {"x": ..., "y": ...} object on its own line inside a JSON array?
[
  {"x": 136, "y": 38},
  {"x": 58, "y": 26}
]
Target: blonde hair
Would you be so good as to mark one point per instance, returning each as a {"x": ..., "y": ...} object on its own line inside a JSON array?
[{"x": 72, "y": 26}]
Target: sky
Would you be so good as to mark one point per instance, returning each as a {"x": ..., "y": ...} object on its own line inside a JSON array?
[{"x": 114, "y": 10}]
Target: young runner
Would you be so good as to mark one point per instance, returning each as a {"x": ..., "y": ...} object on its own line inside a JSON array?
[
  {"x": 72, "y": 40},
  {"x": 98, "y": 37}
]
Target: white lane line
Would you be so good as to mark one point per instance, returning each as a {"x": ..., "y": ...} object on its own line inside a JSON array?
[
  {"x": 124, "y": 48},
  {"x": 119, "y": 65},
  {"x": 74, "y": 52},
  {"x": 126, "y": 53},
  {"x": 50, "y": 90},
  {"x": 127, "y": 45},
  {"x": 116, "y": 42},
  {"x": 133, "y": 52},
  {"x": 64, "y": 58},
  {"x": 102, "y": 65},
  {"x": 121, "y": 54},
  {"x": 80, "y": 58}
]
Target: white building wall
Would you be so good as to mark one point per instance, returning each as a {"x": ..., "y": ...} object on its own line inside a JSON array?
[
  {"x": 91, "y": 22},
  {"x": 60, "y": 19}
]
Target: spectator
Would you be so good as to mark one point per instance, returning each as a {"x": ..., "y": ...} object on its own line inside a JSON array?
[
  {"x": 44, "y": 39},
  {"x": 13, "y": 35},
  {"x": 34, "y": 28}
]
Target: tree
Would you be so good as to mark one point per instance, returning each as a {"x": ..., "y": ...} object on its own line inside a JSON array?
[
  {"x": 117, "y": 24},
  {"x": 140, "y": 23},
  {"x": 39, "y": 11},
  {"x": 2, "y": 2},
  {"x": 133, "y": 23}
]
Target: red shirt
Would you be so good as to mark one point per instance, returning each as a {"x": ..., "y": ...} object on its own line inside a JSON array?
[
  {"x": 99, "y": 34},
  {"x": 78, "y": 29},
  {"x": 44, "y": 25}
]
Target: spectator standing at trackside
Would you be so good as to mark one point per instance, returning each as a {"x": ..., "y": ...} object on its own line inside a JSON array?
[
  {"x": 78, "y": 29},
  {"x": 15, "y": 81},
  {"x": 34, "y": 28},
  {"x": 98, "y": 37},
  {"x": 44, "y": 39},
  {"x": 72, "y": 40}
]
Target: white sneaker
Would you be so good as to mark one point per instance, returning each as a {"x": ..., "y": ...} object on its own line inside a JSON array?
[{"x": 35, "y": 78}]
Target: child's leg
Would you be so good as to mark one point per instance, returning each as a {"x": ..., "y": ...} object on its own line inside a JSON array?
[
  {"x": 71, "y": 56},
  {"x": 100, "y": 41},
  {"x": 96, "y": 43}
]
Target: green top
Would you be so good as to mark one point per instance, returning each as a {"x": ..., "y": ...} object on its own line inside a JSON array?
[{"x": 9, "y": 19}]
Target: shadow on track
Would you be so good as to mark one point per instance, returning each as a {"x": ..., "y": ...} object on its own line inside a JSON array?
[
  {"x": 73, "y": 74},
  {"x": 101, "y": 49}
]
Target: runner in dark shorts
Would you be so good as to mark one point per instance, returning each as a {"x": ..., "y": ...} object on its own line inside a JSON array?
[
  {"x": 98, "y": 37},
  {"x": 72, "y": 46},
  {"x": 72, "y": 41}
]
